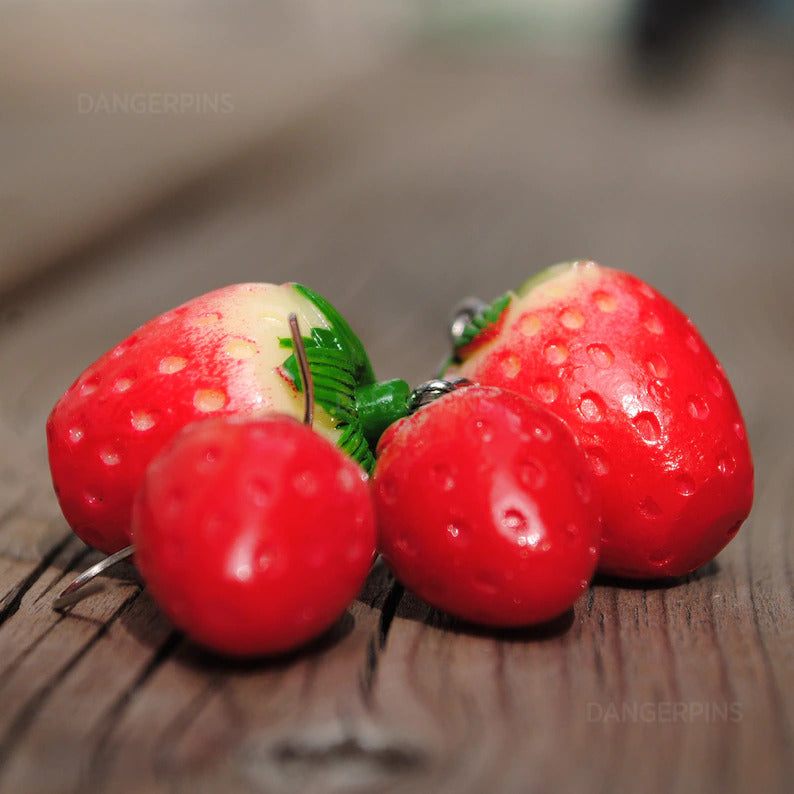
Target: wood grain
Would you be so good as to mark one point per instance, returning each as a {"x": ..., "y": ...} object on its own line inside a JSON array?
[{"x": 444, "y": 177}]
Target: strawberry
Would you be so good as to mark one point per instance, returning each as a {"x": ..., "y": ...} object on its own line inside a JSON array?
[
  {"x": 634, "y": 380},
  {"x": 223, "y": 353},
  {"x": 253, "y": 536},
  {"x": 487, "y": 508}
]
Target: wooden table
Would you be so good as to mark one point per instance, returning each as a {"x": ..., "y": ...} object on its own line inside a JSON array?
[{"x": 442, "y": 176}]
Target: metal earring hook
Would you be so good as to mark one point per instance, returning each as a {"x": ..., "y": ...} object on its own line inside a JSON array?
[{"x": 67, "y": 596}]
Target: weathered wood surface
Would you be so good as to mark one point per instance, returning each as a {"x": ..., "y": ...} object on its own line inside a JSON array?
[{"x": 445, "y": 177}]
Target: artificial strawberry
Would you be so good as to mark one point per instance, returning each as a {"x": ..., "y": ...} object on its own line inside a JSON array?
[
  {"x": 487, "y": 508},
  {"x": 253, "y": 536},
  {"x": 223, "y": 353},
  {"x": 634, "y": 380}
]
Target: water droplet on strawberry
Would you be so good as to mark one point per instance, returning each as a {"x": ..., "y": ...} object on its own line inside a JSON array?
[{"x": 459, "y": 530}]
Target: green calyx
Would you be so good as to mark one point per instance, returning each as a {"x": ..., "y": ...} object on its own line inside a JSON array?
[
  {"x": 345, "y": 385},
  {"x": 381, "y": 404}
]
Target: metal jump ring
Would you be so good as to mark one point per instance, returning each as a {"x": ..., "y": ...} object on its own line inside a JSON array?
[
  {"x": 431, "y": 390},
  {"x": 462, "y": 315}
]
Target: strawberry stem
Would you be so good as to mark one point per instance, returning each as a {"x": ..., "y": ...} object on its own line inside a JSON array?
[{"x": 305, "y": 371}]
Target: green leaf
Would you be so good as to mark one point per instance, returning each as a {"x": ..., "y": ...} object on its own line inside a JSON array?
[
  {"x": 345, "y": 339},
  {"x": 338, "y": 364}
]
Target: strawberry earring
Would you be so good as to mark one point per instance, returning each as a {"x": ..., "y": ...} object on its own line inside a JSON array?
[
  {"x": 253, "y": 535},
  {"x": 225, "y": 353},
  {"x": 584, "y": 424},
  {"x": 66, "y": 597},
  {"x": 486, "y": 506},
  {"x": 632, "y": 377}
]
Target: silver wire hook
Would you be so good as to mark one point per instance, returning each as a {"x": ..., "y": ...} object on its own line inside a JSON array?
[{"x": 66, "y": 597}]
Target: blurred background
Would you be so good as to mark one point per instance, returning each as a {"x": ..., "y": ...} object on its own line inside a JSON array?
[{"x": 397, "y": 156}]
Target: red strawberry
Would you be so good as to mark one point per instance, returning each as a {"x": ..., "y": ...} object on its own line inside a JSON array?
[
  {"x": 222, "y": 353},
  {"x": 487, "y": 508},
  {"x": 639, "y": 387},
  {"x": 253, "y": 536}
]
